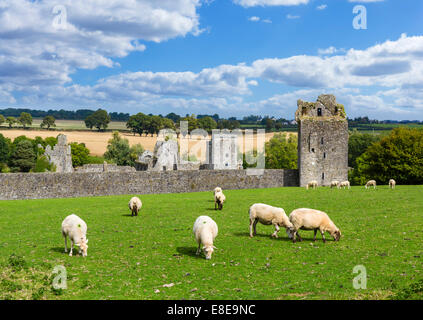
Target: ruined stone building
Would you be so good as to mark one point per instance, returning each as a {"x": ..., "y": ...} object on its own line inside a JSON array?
[
  {"x": 322, "y": 141},
  {"x": 60, "y": 155}
]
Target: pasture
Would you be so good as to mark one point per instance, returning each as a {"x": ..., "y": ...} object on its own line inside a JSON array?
[{"x": 133, "y": 257}]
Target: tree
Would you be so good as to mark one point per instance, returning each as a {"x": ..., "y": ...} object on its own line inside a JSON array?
[
  {"x": 23, "y": 157},
  {"x": 118, "y": 150},
  {"x": 174, "y": 117},
  {"x": 155, "y": 125},
  {"x": 99, "y": 119},
  {"x": 192, "y": 122},
  {"x": 358, "y": 144},
  {"x": 25, "y": 119},
  {"x": 48, "y": 122},
  {"x": 281, "y": 152},
  {"x": 79, "y": 153},
  {"x": 168, "y": 124},
  {"x": 135, "y": 151},
  {"x": 4, "y": 149},
  {"x": 398, "y": 156},
  {"x": 138, "y": 123},
  {"x": 11, "y": 121},
  {"x": 207, "y": 123},
  {"x": 2, "y": 119}
]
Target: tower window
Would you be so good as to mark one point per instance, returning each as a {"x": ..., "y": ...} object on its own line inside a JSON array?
[
  {"x": 312, "y": 149},
  {"x": 336, "y": 110},
  {"x": 304, "y": 111},
  {"x": 322, "y": 140},
  {"x": 323, "y": 176},
  {"x": 319, "y": 112},
  {"x": 324, "y": 155}
]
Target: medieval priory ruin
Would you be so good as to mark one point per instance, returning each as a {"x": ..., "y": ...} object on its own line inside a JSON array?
[{"x": 322, "y": 148}]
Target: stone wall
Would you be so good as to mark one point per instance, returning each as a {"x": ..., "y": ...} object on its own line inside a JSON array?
[
  {"x": 104, "y": 168},
  {"x": 16, "y": 186}
]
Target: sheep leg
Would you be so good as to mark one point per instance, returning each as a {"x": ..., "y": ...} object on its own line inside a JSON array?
[
  {"x": 255, "y": 226},
  {"x": 198, "y": 249},
  {"x": 215, "y": 208},
  {"x": 71, "y": 250},
  {"x": 66, "y": 244},
  {"x": 315, "y": 233},
  {"x": 299, "y": 237},
  {"x": 275, "y": 234},
  {"x": 323, "y": 236}
]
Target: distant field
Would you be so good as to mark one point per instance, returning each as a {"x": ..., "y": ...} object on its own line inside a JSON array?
[
  {"x": 133, "y": 257},
  {"x": 78, "y": 125},
  {"x": 95, "y": 141}
]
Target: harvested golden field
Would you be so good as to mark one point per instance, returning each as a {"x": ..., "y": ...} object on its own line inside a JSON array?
[{"x": 97, "y": 141}]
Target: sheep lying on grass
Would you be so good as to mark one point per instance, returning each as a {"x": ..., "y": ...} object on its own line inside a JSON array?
[
  {"x": 392, "y": 184},
  {"x": 310, "y": 219},
  {"x": 312, "y": 184},
  {"x": 205, "y": 231},
  {"x": 268, "y": 215},
  {"x": 76, "y": 229},
  {"x": 135, "y": 206},
  {"x": 219, "y": 199},
  {"x": 371, "y": 183},
  {"x": 345, "y": 184}
]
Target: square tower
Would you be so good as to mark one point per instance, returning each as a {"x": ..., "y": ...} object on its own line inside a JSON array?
[{"x": 322, "y": 141}]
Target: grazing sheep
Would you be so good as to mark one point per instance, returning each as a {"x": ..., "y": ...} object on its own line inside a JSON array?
[
  {"x": 312, "y": 184},
  {"x": 219, "y": 199},
  {"x": 310, "y": 219},
  {"x": 205, "y": 231},
  {"x": 268, "y": 215},
  {"x": 392, "y": 184},
  {"x": 370, "y": 183},
  {"x": 134, "y": 205},
  {"x": 345, "y": 184},
  {"x": 76, "y": 229},
  {"x": 334, "y": 184}
]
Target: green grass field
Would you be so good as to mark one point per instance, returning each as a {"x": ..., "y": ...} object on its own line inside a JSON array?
[
  {"x": 133, "y": 257},
  {"x": 78, "y": 125}
]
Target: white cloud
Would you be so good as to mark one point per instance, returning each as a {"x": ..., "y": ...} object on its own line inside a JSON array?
[
  {"x": 292, "y": 17},
  {"x": 322, "y": 7},
  {"x": 254, "y": 19},
  {"x": 36, "y": 50},
  {"x": 263, "y": 3}
]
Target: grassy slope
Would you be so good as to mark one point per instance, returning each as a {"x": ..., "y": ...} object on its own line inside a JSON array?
[{"x": 129, "y": 258}]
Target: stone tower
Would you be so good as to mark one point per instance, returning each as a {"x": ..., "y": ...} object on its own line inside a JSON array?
[{"x": 322, "y": 141}]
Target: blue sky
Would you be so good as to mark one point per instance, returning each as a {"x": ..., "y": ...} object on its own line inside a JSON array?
[{"x": 231, "y": 57}]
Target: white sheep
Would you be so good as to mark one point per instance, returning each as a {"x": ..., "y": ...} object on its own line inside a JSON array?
[
  {"x": 268, "y": 215},
  {"x": 217, "y": 189},
  {"x": 345, "y": 184},
  {"x": 76, "y": 229},
  {"x": 310, "y": 219},
  {"x": 134, "y": 205},
  {"x": 370, "y": 183},
  {"x": 312, "y": 184},
  {"x": 219, "y": 199},
  {"x": 205, "y": 231},
  {"x": 334, "y": 184},
  {"x": 392, "y": 183}
]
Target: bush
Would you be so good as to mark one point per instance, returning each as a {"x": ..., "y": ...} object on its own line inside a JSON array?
[
  {"x": 79, "y": 153},
  {"x": 397, "y": 156},
  {"x": 281, "y": 152},
  {"x": 23, "y": 157},
  {"x": 43, "y": 164}
]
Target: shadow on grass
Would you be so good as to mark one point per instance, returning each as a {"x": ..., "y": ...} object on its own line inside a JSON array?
[
  {"x": 188, "y": 251},
  {"x": 128, "y": 215},
  {"x": 60, "y": 249},
  {"x": 262, "y": 235}
]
